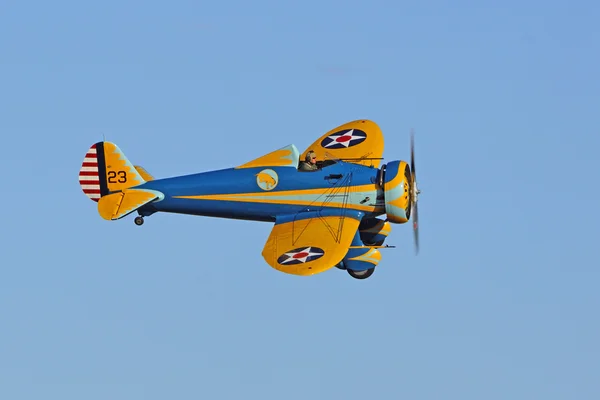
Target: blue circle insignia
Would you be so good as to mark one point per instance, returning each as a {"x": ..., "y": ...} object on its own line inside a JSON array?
[
  {"x": 300, "y": 255},
  {"x": 267, "y": 179},
  {"x": 344, "y": 139}
]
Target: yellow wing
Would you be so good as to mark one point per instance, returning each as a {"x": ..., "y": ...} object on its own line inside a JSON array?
[
  {"x": 310, "y": 242},
  {"x": 359, "y": 142}
]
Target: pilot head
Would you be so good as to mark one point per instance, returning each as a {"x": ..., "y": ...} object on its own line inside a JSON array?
[{"x": 311, "y": 157}]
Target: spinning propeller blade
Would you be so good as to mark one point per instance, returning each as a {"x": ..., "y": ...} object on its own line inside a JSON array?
[{"x": 414, "y": 192}]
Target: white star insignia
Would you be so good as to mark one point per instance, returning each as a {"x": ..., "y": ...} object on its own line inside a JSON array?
[
  {"x": 348, "y": 137},
  {"x": 303, "y": 253}
]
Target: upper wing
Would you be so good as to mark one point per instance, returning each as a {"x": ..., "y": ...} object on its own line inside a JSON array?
[
  {"x": 311, "y": 242},
  {"x": 359, "y": 142}
]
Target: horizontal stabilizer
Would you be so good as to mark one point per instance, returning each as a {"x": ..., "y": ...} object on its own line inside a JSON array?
[
  {"x": 143, "y": 173},
  {"x": 118, "y": 205}
]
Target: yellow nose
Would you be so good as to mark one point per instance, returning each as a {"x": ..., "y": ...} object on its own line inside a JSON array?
[{"x": 397, "y": 188}]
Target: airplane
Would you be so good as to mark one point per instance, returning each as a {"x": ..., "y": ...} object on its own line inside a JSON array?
[{"x": 338, "y": 215}]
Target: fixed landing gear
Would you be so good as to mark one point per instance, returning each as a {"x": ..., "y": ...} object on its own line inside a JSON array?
[
  {"x": 379, "y": 243},
  {"x": 139, "y": 220},
  {"x": 361, "y": 274},
  {"x": 364, "y": 274}
]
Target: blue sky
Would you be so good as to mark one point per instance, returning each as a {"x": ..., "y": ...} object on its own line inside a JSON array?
[{"x": 502, "y": 301}]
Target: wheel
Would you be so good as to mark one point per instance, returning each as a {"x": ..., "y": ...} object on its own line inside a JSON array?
[
  {"x": 361, "y": 274},
  {"x": 379, "y": 243},
  {"x": 138, "y": 221}
]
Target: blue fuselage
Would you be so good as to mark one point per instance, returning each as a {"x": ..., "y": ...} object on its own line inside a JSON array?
[{"x": 262, "y": 194}]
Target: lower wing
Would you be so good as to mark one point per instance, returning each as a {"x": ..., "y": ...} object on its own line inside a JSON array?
[{"x": 311, "y": 242}]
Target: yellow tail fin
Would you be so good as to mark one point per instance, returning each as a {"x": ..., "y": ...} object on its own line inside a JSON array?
[
  {"x": 120, "y": 173},
  {"x": 106, "y": 170}
]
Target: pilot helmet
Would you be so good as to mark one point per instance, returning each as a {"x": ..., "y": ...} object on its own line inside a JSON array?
[{"x": 310, "y": 155}]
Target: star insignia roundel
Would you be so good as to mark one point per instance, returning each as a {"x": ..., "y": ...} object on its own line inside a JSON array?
[
  {"x": 300, "y": 255},
  {"x": 344, "y": 139}
]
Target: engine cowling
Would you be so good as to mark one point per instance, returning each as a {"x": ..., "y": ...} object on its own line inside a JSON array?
[{"x": 396, "y": 186}]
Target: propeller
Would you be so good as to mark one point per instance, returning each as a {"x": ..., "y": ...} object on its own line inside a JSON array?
[{"x": 414, "y": 192}]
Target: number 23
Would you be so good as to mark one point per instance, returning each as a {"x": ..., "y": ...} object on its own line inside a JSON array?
[{"x": 112, "y": 177}]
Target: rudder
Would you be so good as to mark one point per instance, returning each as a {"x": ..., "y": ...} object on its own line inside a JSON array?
[{"x": 105, "y": 170}]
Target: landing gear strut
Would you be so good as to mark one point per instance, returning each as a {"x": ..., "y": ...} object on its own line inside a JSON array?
[{"x": 139, "y": 220}]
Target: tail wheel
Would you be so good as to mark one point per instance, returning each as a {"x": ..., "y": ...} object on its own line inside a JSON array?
[{"x": 138, "y": 221}]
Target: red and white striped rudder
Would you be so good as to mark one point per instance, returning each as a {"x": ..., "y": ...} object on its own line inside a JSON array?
[{"x": 89, "y": 176}]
